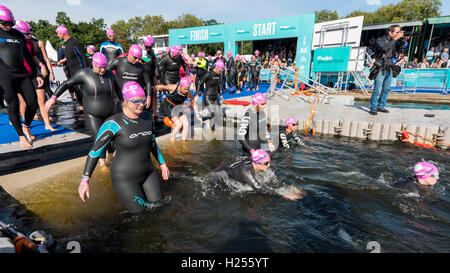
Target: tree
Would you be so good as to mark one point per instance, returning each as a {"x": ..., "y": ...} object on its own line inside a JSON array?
[{"x": 326, "y": 15}]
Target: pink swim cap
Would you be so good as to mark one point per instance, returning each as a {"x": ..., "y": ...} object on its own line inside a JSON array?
[
  {"x": 201, "y": 54},
  {"x": 229, "y": 53},
  {"x": 220, "y": 64},
  {"x": 62, "y": 30},
  {"x": 110, "y": 31},
  {"x": 148, "y": 40},
  {"x": 238, "y": 56},
  {"x": 22, "y": 27},
  {"x": 160, "y": 52},
  {"x": 209, "y": 57},
  {"x": 290, "y": 121},
  {"x": 5, "y": 14},
  {"x": 276, "y": 56},
  {"x": 185, "y": 82},
  {"x": 180, "y": 47},
  {"x": 135, "y": 51},
  {"x": 259, "y": 156},
  {"x": 174, "y": 50},
  {"x": 91, "y": 47},
  {"x": 423, "y": 170},
  {"x": 258, "y": 98},
  {"x": 253, "y": 56},
  {"x": 99, "y": 60},
  {"x": 193, "y": 56},
  {"x": 131, "y": 90},
  {"x": 256, "y": 52},
  {"x": 218, "y": 52}
]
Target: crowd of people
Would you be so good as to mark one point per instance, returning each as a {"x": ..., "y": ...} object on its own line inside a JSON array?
[{"x": 117, "y": 93}]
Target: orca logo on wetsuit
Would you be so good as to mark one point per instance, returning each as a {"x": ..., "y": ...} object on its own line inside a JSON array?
[
  {"x": 147, "y": 133},
  {"x": 284, "y": 140},
  {"x": 244, "y": 125}
]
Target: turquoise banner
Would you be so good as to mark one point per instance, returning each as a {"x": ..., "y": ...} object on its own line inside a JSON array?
[
  {"x": 333, "y": 59},
  {"x": 422, "y": 78},
  {"x": 301, "y": 26}
]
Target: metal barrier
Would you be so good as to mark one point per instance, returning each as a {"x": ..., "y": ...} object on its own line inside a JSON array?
[{"x": 422, "y": 79}]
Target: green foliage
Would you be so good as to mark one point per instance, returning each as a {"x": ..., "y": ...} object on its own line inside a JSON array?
[{"x": 326, "y": 15}]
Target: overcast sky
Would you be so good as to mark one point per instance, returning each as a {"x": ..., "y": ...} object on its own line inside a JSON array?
[{"x": 229, "y": 11}]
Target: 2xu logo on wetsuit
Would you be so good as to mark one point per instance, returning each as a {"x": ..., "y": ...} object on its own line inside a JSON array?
[{"x": 147, "y": 133}]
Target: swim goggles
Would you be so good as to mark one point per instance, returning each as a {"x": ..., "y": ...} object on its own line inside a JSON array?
[
  {"x": 435, "y": 175},
  {"x": 266, "y": 163},
  {"x": 6, "y": 23},
  {"x": 138, "y": 102}
]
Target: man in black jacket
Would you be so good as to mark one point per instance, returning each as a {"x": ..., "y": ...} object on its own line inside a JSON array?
[{"x": 386, "y": 51}]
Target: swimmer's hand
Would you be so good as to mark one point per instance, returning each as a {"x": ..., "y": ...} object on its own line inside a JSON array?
[
  {"x": 159, "y": 87},
  {"x": 271, "y": 147},
  {"x": 165, "y": 171},
  {"x": 148, "y": 102},
  {"x": 40, "y": 81},
  {"x": 83, "y": 190},
  {"x": 294, "y": 194}
]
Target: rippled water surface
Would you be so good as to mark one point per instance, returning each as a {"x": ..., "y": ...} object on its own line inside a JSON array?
[{"x": 349, "y": 202}]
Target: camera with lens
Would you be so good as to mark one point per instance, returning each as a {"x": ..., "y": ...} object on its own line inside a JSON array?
[{"x": 374, "y": 70}]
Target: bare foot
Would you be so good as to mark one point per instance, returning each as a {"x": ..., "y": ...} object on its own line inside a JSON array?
[
  {"x": 36, "y": 117},
  {"x": 26, "y": 131},
  {"x": 50, "y": 128},
  {"x": 24, "y": 143}
]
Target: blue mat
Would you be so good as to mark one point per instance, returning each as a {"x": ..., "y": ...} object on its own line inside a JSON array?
[{"x": 8, "y": 134}]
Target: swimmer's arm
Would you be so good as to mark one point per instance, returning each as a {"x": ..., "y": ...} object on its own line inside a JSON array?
[
  {"x": 169, "y": 87},
  {"x": 162, "y": 68},
  {"x": 107, "y": 132},
  {"x": 75, "y": 79},
  {"x": 243, "y": 130},
  {"x": 194, "y": 105},
  {"x": 157, "y": 152},
  {"x": 298, "y": 139},
  {"x": 147, "y": 83},
  {"x": 203, "y": 79},
  {"x": 116, "y": 87},
  {"x": 113, "y": 64},
  {"x": 185, "y": 67}
]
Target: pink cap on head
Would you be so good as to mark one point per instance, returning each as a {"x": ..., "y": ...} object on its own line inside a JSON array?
[
  {"x": 5, "y": 14},
  {"x": 99, "y": 60},
  {"x": 22, "y": 27},
  {"x": 135, "y": 51},
  {"x": 193, "y": 56},
  {"x": 258, "y": 98},
  {"x": 180, "y": 47},
  {"x": 174, "y": 50},
  {"x": 229, "y": 53},
  {"x": 238, "y": 56},
  {"x": 167, "y": 49},
  {"x": 259, "y": 156},
  {"x": 91, "y": 48},
  {"x": 256, "y": 52},
  {"x": 110, "y": 31},
  {"x": 185, "y": 82},
  {"x": 62, "y": 30},
  {"x": 201, "y": 54},
  {"x": 28, "y": 25},
  {"x": 276, "y": 56},
  {"x": 218, "y": 52},
  {"x": 290, "y": 121},
  {"x": 131, "y": 90},
  {"x": 148, "y": 40},
  {"x": 220, "y": 64},
  {"x": 423, "y": 170},
  {"x": 253, "y": 56},
  {"x": 209, "y": 57},
  {"x": 160, "y": 52}
]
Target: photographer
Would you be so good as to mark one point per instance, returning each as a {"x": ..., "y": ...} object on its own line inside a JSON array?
[{"x": 387, "y": 48}]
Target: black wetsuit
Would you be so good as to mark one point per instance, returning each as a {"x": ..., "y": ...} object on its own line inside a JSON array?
[
  {"x": 223, "y": 73},
  {"x": 241, "y": 68},
  {"x": 99, "y": 97},
  {"x": 126, "y": 71},
  {"x": 211, "y": 99},
  {"x": 243, "y": 172},
  {"x": 253, "y": 131},
  {"x": 409, "y": 183},
  {"x": 76, "y": 60},
  {"x": 232, "y": 74},
  {"x": 286, "y": 138},
  {"x": 89, "y": 60},
  {"x": 172, "y": 100},
  {"x": 200, "y": 70},
  {"x": 111, "y": 50},
  {"x": 254, "y": 67},
  {"x": 40, "y": 56},
  {"x": 132, "y": 173},
  {"x": 14, "y": 77},
  {"x": 152, "y": 69},
  {"x": 170, "y": 69}
]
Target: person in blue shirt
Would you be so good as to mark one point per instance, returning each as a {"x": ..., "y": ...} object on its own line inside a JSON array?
[
  {"x": 430, "y": 55},
  {"x": 444, "y": 58},
  {"x": 111, "y": 49}
]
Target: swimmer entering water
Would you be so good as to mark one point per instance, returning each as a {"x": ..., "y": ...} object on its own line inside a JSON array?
[
  {"x": 290, "y": 133},
  {"x": 425, "y": 174},
  {"x": 132, "y": 173},
  {"x": 245, "y": 171}
]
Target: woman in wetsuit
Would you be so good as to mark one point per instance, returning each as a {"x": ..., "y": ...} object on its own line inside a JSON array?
[
  {"x": 425, "y": 175},
  {"x": 244, "y": 171},
  {"x": 213, "y": 80},
  {"x": 170, "y": 65},
  {"x": 290, "y": 134},
  {"x": 254, "y": 67},
  {"x": 133, "y": 177},
  {"x": 99, "y": 86},
  {"x": 177, "y": 94},
  {"x": 232, "y": 73},
  {"x": 253, "y": 127},
  {"x": 14, "y": 79}
]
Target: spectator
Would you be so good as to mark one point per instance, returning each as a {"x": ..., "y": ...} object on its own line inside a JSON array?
[
  {"x": 424, "y": 63},
  {"x": 413, "y": 64},
  {"x": 402, "y": 60},
  {"x": 430, "y": 55},
  {"x": 436, "y": 64},
  {"x": 444, "y": 58}
]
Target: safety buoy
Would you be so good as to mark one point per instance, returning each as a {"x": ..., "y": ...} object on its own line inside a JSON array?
[
  {"x": 236, "y": 102},
  {"x": 168, "y": 122},
  {"x": 422, "y": 145}
]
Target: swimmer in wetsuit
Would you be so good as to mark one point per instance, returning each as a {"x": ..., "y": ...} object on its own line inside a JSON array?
[
  {"x": 290, "y": 134},
  {"x": 133, "y": 177},
  {"x": 128, "y": 68},
  {"x": 14, "y": 78},
  {"x": 253, "y": 126},
  {"x": 425, "y": 174},
  {"x": 254, "y": 68},
  {"x": 99, "y": 86},
  {"x": 231, "y": 73},
  {"x": 90, "y": 50},
  {"x": 152, "y": 68},
  {"x": 177, "y": 94},
  {"x": 170, "y": 65},
  {"x": 213, "y": 81},
  {"x": 111, "y": 49},
  {"x": 244, "y": 171}
]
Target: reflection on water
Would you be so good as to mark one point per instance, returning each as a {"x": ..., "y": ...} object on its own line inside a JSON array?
[{"x": 349, "y": 202}]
